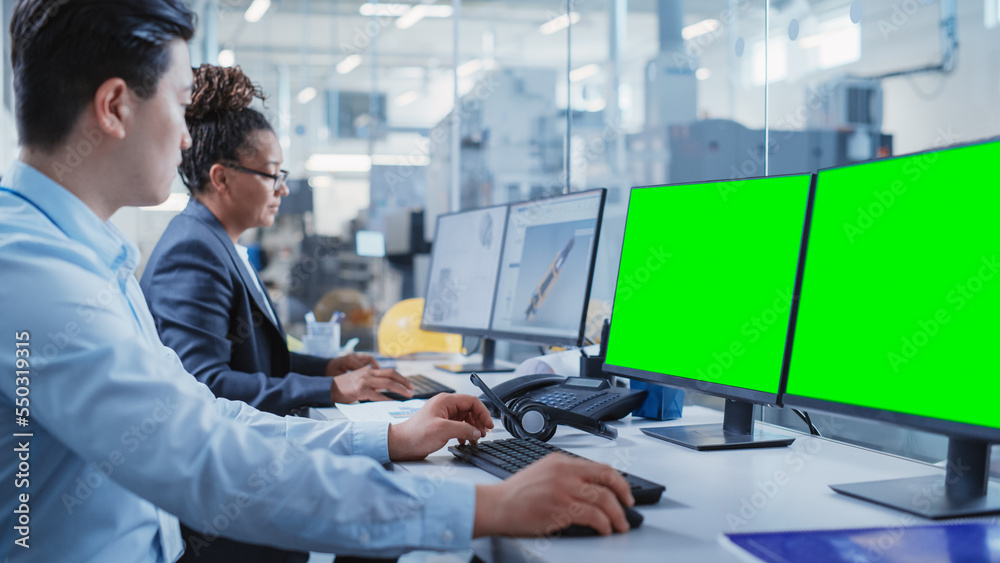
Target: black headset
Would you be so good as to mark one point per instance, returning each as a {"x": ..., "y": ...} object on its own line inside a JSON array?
[{"x": 526, "y": 418}]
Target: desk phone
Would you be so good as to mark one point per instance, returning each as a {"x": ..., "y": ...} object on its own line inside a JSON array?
[{"x": 590, "y": 397}]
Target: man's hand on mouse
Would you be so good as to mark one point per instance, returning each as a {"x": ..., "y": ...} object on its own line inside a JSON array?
[{"x": 551, "y": 494}]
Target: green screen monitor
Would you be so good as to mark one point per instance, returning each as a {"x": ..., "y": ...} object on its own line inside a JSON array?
[
  {"x": 704, "y": 295},
  {"x": 898, "y": 318}
]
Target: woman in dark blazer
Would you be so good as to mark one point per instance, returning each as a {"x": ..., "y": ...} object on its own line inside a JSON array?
[{"x": 206, "y": 298}]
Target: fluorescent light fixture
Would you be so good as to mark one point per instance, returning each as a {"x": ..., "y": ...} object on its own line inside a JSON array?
[
  {"x": 362, "y": 162},
  {"x": 384, "y": 9},
  {"x": 471, "y": 67},
  {"x": 256, "y": 10},
  {"x": 559, "y": 23},
  {"x": 306, "y": 95},
  {"x": 397, "y": 10},
  {"x": 321, "y": 182},
  {"x": 175, "y": 202},
  {"x": 407, "y": 98},
  {"x": 401, "y": 160},
  {"x": 702, "y": 74},
  {"x": 700, "y": 28},
  {"x": 339, "y": 163},
  {"x": 837, "y": 43},
  {"x": 349, "y": 63},
  {"x": 227, "y": 57},
  {"x": 411, "y": 17},
  {"x": 583, "y": 72}
]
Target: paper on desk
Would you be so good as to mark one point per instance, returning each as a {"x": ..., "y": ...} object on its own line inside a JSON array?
[
  {"x": 564, "y": 363},
  {"x": 381, "y": 411}
]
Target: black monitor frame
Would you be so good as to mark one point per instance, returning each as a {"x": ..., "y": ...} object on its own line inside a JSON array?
[
  {"x": 465, "y": 331},
  {"x": 489, "y": 362},
  {"x": 737, "y": 431},
  {"x": 967, "y": 466},
  {"x": 542, "y": 338}
]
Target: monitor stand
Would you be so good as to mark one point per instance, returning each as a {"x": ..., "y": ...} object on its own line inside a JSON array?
[
  {"x": 963, "y": 492},
  {"x": 735, "y": 432},
  {"x": 488, "y": 365}
]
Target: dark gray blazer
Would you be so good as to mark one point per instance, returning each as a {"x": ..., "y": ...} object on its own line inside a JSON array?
[{"x": 210, "y": 312}]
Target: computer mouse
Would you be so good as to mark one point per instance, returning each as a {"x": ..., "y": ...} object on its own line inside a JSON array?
[{"x": 576, "y": 531}]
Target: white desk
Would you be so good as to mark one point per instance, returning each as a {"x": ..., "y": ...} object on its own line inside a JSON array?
[{"x": 708, "y": 493}]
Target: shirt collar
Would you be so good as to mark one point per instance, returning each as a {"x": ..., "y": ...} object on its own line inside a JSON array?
[{"x": 71, "y": 216}]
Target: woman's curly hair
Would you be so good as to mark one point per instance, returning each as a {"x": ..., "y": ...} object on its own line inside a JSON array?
[{"x": 220, "y": 120}]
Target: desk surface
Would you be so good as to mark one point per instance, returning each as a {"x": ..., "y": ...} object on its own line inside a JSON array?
[{"x": 708, "y": 493}]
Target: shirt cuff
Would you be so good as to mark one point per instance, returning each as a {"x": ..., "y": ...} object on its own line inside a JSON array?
[
  {"x": 371, "y": 439},
  {"x": 449, "y": 515}
]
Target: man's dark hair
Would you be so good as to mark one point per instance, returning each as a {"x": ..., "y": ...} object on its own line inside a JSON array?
[{"x": 63, "y": 50}]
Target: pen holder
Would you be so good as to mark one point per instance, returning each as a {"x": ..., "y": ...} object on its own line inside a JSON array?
[
  {"x": 662, "y": 403},
  {"x": 322, "y": 339}
]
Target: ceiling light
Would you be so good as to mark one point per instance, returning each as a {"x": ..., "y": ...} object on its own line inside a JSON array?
[
  {"x": 471, "y": 67},
  {"x": 583, "y": 72},
  {"x": 227, "y": 58},
  {"x": 384, "y": 9},
  {"x": 339, "y": 163},
  {"x": 349, "y": 63},
  {"x": 321, "y": 182},
  {"x": 700, "y": 28},
  {"x": 702, "y": 74},
  {"x": 411, "y": 17},
  {"x": 559, "y": 23},
  {"x": 361, "y": 162},
  {"x": 401, "y": 160},
  {"x": 306, "y": 95},
  {"x": 256, "y": 10},
  {"x": 407, "y": 98},
  {"x": 398, "y": 10}
]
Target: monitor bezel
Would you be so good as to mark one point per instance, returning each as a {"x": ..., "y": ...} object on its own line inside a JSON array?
[
  {"x": 949, "y": 428},
  {"x": 533, "y": 338},
  {"x": 706, "y": 387},
  {"x": 465, "y": 331}
]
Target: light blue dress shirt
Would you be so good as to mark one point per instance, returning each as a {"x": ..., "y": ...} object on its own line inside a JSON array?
[{"x": 122, "y": 439}]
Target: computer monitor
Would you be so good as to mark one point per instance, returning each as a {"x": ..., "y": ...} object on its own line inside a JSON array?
[
  {"x": 461, "y": 283},
  {"x": 897, "y": 318},
  {"x": 704, "y": 294},
  {"x": 546, "y": 269}
]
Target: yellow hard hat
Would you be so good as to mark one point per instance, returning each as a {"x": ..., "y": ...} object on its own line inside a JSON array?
[{"x": 399, "y": 332}]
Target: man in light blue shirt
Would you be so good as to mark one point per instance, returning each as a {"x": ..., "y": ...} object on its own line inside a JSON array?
[{"x": 108, "y": 440}]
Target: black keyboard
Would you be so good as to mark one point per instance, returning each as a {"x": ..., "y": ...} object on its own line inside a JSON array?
[
  {"x": 505, "y": 457},
  {"x": 423, "y": 388}
]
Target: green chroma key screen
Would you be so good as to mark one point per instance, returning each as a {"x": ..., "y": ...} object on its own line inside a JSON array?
[
  {"x": 900, "y": 299},
  {"x": 706, "y": 278}
]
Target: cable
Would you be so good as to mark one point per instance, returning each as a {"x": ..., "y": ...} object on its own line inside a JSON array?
[{"x": 805, "y": 418}]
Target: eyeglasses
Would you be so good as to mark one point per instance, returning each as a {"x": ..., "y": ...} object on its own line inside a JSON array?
[{"x": 279, "y": 178}]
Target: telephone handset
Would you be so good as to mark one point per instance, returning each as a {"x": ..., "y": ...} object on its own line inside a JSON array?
[{"x": 591, "y": 397}]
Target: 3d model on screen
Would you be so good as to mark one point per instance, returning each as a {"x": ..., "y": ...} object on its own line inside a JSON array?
[{"x": 551, "y": 275}]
